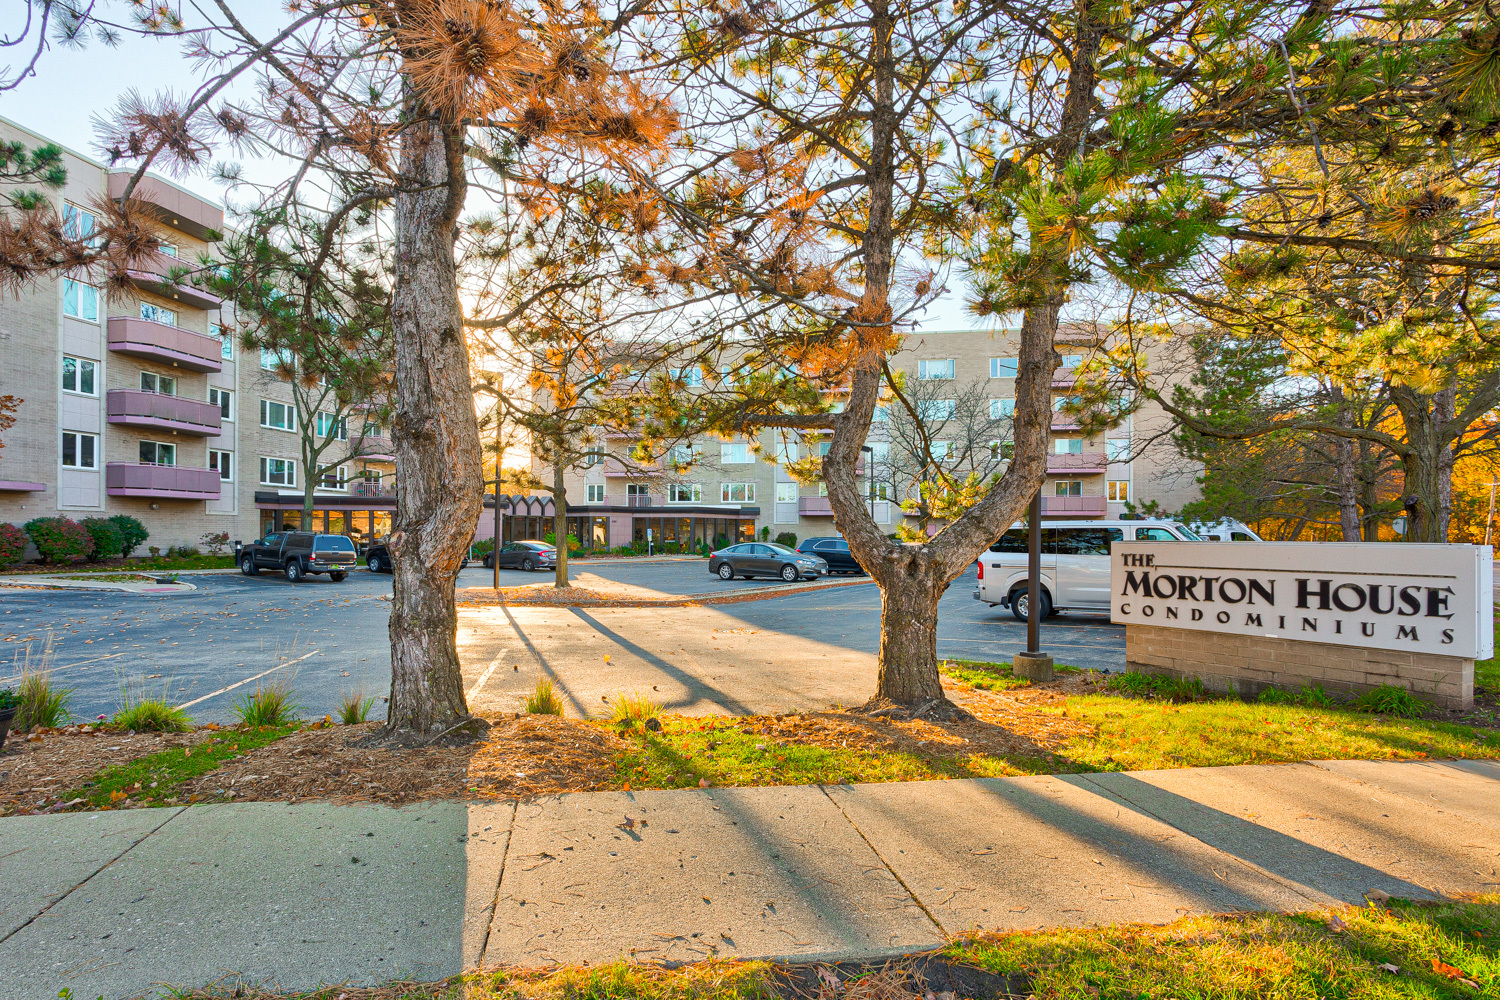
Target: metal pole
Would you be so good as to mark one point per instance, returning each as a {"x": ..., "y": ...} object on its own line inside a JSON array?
[
  {"x": 495, "y": 549},
  {"x": 1034, "y": 573},
  {"x": 1489, "y": 521}
]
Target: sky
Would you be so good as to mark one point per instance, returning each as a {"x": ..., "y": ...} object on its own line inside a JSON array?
[{"x": 74, "y": 87}]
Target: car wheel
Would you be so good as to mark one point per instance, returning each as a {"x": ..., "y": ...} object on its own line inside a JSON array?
[
  {"x": 789, "y": 573},
  {"x": 464, "y": 564},
  {"x": 375, "y": 564},
  {"x": 726, "y": 571},
  {"x": 293, "y": 571},
  {"x": 527, "y": 564},
  {"x": 247, "y": 566},
  {"x": 337, "y": 577},
  {"x": 1020, "y": 601}
]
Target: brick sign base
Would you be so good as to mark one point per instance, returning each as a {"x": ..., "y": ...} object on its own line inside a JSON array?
[{"x": 1247, "y": 665}]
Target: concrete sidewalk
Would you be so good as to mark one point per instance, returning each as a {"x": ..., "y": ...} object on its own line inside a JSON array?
[{"x": 114, "y": 903}]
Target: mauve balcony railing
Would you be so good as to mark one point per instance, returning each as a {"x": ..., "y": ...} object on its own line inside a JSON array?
[
  {"x": 644, "y": 500},
  {"x": 371, "y": 488},
  {"x": 1074, "y": 506},
  {"x": 168, "y": 344},
  {"x": 178, "y": 209},
  {"x": 161, "y": 482},
  {"x": 1087, "y": 462},
  {"x": 134, "y": 408},
  {"x": 814, "y": 507}
]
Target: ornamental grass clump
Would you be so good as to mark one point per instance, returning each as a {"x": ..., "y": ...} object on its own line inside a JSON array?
[
  {"x": 41, "y": 704},
  {"x": 142, "y": 713},
  {"x": 354, "y": 707},
  {"x": 632, "y": 710},
  {"x": 270, "y": 704},
  {"x": 543, "y": 700},
  {"x": 1388, "y": 699}
]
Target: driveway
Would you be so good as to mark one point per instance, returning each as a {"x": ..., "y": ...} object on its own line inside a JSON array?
[{"x": 206, "y": 648}]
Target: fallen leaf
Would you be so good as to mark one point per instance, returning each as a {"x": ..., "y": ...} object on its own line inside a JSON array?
[
  {"x": 1336, "y": 924},
  {"x": 703, "y": 782},
  {"x": 1377, "y": 896},
  {"x": 1442, "y": 968},
  {"x": 1388, "y": 967}
]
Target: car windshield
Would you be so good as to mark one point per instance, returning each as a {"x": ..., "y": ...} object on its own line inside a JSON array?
[
  {"x": 334, "y": 543},
  {"x": 775, "y": 547},
  {"x": 1186, "y": 532}
]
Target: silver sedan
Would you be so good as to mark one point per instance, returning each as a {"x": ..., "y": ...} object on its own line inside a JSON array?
[{"x": 751, "y": 559}]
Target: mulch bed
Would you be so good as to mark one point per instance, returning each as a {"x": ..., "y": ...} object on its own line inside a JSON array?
[{"x": 50, "y": 762}]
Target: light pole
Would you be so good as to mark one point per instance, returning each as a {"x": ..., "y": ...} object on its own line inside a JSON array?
[
  {"x": 869, "y": 477},
  {"x": 1032, "y": 663},
  {"x": 495, "y": 547}
]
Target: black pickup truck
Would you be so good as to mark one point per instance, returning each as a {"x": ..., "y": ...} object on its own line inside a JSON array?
[{"x": 298, "y": 553}]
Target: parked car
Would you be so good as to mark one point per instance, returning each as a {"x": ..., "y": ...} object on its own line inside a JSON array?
[
  {"x": 1075, "y": 563},
  {"x": 299, "y": 553},
  {"x": 1226, "y": 530},
  {"x": 527, "y": 555},
  {"x": 752, "y": 559},
  {"x": 378, "y": 558},
  {"x": 834, "y": 551}
]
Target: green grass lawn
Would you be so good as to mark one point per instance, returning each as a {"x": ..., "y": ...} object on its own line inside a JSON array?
[
  {"x": 1393, "y": 952},
  {"x": 155, "y": 778},
  {"x": 1487, "y": 672}
]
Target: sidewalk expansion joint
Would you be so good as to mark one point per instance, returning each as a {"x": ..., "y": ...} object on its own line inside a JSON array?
[
  {"x": 888, "y": 866},
  {"x": 510, "y": 834},
  {"x": 173, "y": 814}
]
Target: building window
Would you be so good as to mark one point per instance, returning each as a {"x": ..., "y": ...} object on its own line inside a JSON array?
[
  {"x": 1117, "y": 449},
  {"x": 336, "y": 478},
  {"x": 1072, "y": 361},
  {"x": 80, "y": 451},
  {"x": 80, "y": 301},
  {"x": 786, "y": 492},
  {"x": 1069, "y": 487},
  {"x": 595, "y": 492},
  {"x": 737, "y": 492},
  {"x": 682, "y": 454},
  {"x": 78, "y": 376},
  {"x": 881, "y": 415},
  {"x": 1059, "y": 402},
  {"x": 684, "y": 493},
  {"x": 1002, "y": 409},
  {"x": 157, "y": 453},
  {"x": 937, "y": 409},
  {"x": 727, "y": 375},
  {"x": 226, "y": 341},
  {"x": 786, "y": 451},
  {"x": 880, "y": 453},
  {"x": 1067, "y": 446},
  {"x": 224, "y": 400},
  {"x": 944, "y": 451},
  {"x": 735, "y": 453},
  {"x": 78, "y": 224},
  {"x": 278, "y": 472},
  {"x": 692, "y": 376},
  {"x": 222, "y": 462},
  {"x": 1119, "y": 489},
  {"x": 938, "y": 370},
  {"x": 278, "y": 416},
  {"x": 592, "y": 457},
  {"x": 1003, "y": 367},
  {"x": 372, "y": 429},
  {"x": 164, "y": 385},
  {"x": 270, "y": 360},
  {"x": 330, "y": 426},
  {"x": 158, "y": 314},
  {"x": 1002, "y": 450},
  {"x": 637, "y": 490}
]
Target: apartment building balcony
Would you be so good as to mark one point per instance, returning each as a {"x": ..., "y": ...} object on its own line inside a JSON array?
[
  {"x": 156, "y": 274},
  {"x": 814, "y": 507},
  {"x": 1073, "y": 506},
  {"x": 1065, "y": 421},
  {"x": 1087, "y": 463},
  {"x": 21, "y": 486},
  {"x": 372, "y": 488},
  {"x": 182, "y": 211},
  {"x": 645, "y": 500},
  {"x": 614, "y": 467},
  {"x": 376, "y": 456},
  {"x": 170, "y": 345},
  {"x": 134, "y": 408},
  {"x": 161, "y": 482}
]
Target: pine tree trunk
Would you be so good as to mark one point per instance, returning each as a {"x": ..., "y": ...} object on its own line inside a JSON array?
[
  {"x": 1427, "y": 463},
  {"x": 1348, "y": 487},
  {"x": 438, "y": 478},
  {"x": 560, "y": 522},
  {"x": 907, "y": 673}
]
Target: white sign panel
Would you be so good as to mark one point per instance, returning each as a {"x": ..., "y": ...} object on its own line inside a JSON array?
[{"x": 1412, "y": 597}]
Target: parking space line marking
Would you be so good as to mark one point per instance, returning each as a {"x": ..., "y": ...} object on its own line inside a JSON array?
[
  {"x": 247, "y": 680},
  {"x": 65, "y": 666},
  {"x": 484, "y": 676}
]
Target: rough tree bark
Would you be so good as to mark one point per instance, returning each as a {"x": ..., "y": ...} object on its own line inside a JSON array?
[
  {"x": 438, "y": 473},
  {"x": 1348, "y": 479},
  {"x": 560, "y": 520},
  {"x": 1427, "y": 460}
]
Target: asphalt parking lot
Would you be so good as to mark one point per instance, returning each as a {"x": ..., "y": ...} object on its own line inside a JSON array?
[{"x": 206, "y": 648}]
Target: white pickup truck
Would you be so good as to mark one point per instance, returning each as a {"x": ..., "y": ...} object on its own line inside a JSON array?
[{"x": 1075, "y": 563}]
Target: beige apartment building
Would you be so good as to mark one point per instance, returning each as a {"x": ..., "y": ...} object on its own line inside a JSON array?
[
  {"x": 734, "y": 489},
  {"x": 144, "y": 404}
]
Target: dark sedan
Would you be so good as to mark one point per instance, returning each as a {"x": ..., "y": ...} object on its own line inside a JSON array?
[
  {"x": 527, "y": 555},
  {"x": 752, "y": 559},
  {"x": 833, "y": 550},
  {"x": 378, "y": 557}
]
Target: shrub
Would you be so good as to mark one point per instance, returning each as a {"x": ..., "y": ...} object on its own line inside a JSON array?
[
  {"x": 108, "y": 542},
  {"x": 12, "y": 545},
  {"x": 215, "y": 541},
  {"x": 268, "y": 705},
  {"x": 147, "y": 714},
  {"x": 132, "y": 533},
  {"x": 787, "y": 538},
  {"x": 8, "y": 699},
  {"x": 543, "y": 700},
  {"x": 1388, "y": 699},
  {"x": 154, "y": 551},
  {"x": 183, "y": 552},
  {"x": 481, "y": 549},
  {"x": 354, "y": 707},
  {"x": 633, "y": 710},
  {"x": 59, "y": 539},
  {"x": 765, "y": 533}
]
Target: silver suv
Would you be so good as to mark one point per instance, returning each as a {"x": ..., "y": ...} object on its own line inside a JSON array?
[{"x": 1075, "y": 563}]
